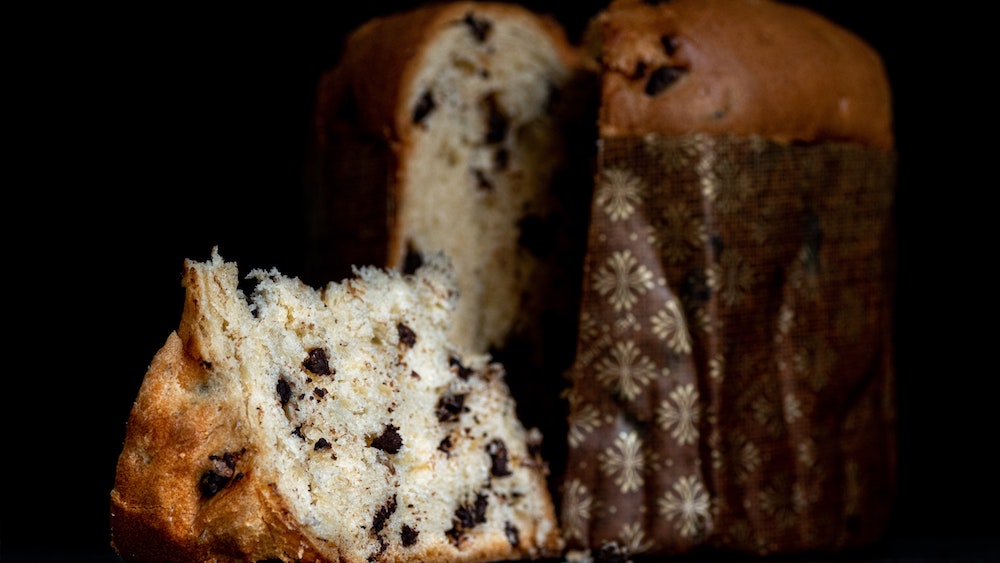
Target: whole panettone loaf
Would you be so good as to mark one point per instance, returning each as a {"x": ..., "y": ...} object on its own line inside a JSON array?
[
  {"x": 733, "y": 385},
  {"x": 288, "y": 424}
]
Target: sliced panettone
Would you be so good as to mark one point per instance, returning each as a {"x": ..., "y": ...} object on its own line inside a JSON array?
[{"x": 287, "y": 423}]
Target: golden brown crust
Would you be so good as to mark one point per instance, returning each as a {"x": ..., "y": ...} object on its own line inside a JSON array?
[
  {"x": 158, "y": 512},
  {"x": 182, "y": 424},
  {"x": 743, "y": 67}
]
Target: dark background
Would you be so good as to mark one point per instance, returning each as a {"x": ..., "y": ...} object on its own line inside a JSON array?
[{"x": 144, "y": 137}]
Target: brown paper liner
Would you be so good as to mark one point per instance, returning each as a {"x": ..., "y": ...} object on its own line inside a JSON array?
[{"x": 733, "y": 382}]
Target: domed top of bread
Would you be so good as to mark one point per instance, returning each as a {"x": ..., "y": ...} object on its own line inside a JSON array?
[
  {"x": 387, "y": 61},
  {"x": 742, "y": 67}
]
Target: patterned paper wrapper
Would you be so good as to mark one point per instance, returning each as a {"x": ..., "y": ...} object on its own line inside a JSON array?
[{"x": 733, "y": 386}]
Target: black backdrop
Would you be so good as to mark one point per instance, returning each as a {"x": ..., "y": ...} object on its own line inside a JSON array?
[{"x": 152, "y": 135}]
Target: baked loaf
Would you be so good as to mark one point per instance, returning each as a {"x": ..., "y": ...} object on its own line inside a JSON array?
[
  {"x": 448, "y": 128},
  {"x": 756, "y": 67},
  {"x": 293, "y": 424},
  {"x": 733, "y": 384}
]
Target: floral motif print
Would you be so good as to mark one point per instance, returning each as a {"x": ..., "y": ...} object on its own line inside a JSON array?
[
  {"x": 706, "y": 332},
  {"x": 668, "y": 324},
  {"x": 680, "y": 417},
  {"x": 633, "y": 538},
  {"x": 624, "y": 461},
  {"x": 680, "y": 233},
  {"x": 622, "y": 278},
  {"x": 577, "y": 505},
  {"x": 736, "y": 278},
  {"x": 618, "y": 193},
  {"x": 582, "y": 421},
  {"x": 687, "y": 505},
  {"x": 777, "y": 501},
  {"x": 625, "y": 370}
]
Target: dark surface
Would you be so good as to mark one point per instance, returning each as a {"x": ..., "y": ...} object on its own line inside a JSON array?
[{"x": 151, "y": 136}]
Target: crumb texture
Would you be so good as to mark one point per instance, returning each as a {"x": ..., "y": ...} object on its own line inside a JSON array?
[{"x": 331, "y": 424}]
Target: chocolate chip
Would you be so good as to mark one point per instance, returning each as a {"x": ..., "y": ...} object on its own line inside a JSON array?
[
  {"x": 449, "y": 407},
  {"x": 498, "y": 456},
  {"x": 284, "y": 391},
  {"x": 477, "y": 510},
  {"x": 389, "y": 441},
  {"x": 425, "y": 105},
  {"x": 320, "y": 392},
  {"x": 406, "y": 335},
  {"x": 413, "y": 260},
  {"x": 298, "y": 432},
  {"x": 639, "y": 71},
  {"x": 211, "y": 483},
  {"x": 501, "y": 158},
  {"x": 467, "y": 516},
  {"x": 215, "y": 479},
  {"x": 662, "y": 78},
  {"x": 322, "y": 444},
  {"x": 479, "y": 27},
  {"x": 454, "y": 535},
  {"x": 408, "y": 535},
  {"x": 669, "y": 44},
  {"x": 462, "y": 371},
  {"x": 446, "y": 445},
  {"x": 496, "y": 120},
  {"x": 383, "y": 514},
  {"x": 483, "y": 183},
  {"x": 513, "y": 534},
  {"x": 317, "y": 362}
]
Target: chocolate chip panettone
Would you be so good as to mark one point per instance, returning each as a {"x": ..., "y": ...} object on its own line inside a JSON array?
[
  {"x": 733, "y": 386},
  {"x": 286, "y": 423}
]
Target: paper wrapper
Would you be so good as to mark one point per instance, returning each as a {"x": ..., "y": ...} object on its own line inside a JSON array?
[{"x": 733, "y": 386}]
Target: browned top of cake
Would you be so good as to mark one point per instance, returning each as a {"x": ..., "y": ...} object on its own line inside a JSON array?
[
  {"x": 381, "y": 58},
  {"x": 739, "y": 67}
]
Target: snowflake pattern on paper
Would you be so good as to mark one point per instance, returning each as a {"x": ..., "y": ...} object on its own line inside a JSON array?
[
  {"x": 576, "y": 509},
  {"x": 668, "y": 325},
  {"x": 625, "y": 371},
  {"x": 718, "y": 305},
  {"x": 623, "y": 462},
  {"x": 582, "y": 421},
  {"x": 680, "y": 414},
  {"x": 686, "y": 505},
  {"x": 622, "y": 280},
  {"x": 633, "y": 538},
  {"x": 618, "y": 193}
]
